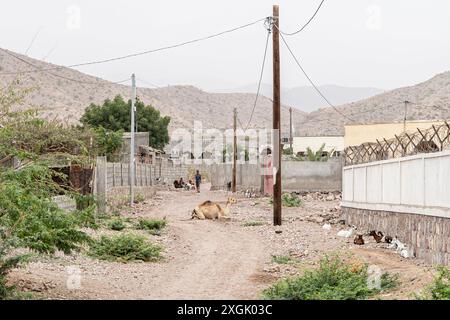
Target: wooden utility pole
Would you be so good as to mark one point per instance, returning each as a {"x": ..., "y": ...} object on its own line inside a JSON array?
[
  {"x": 233, "y": 183},
  {"x": 290, "y": 130},
  {"x": 276, "y": 118}
]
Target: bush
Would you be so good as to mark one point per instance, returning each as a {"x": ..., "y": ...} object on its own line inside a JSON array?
[
  {"x": 116, "y": 225},
  {"x": 333, "y": 280},
  {"x": 151, "y": 224},
  {"x": 29, "y": 218},
  {"x": 253, "y": 223},
  {"x": 125, "y": 248},
  {"x": 439, "y": 289},
  {"x": 86, "y": 218},
  {"x": 291, "y": 200},
  {"x": 283, "y": 260}
]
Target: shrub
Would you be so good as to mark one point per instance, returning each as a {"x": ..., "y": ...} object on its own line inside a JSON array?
[
  {"x": 117, "y": 225},
  {"x": 283, "y": 259},
  {"x": 125, "y": 248},
  {"x": 291, "y": 200},
  {"x": 254, "y": 223},
  {"x": 139, "y": 198},
  {"x": 439, "y": 289},
  {"x": 333, "y": 280},
  {"x": 151, "y": 224},
  {"x": 86, "y": 218}
]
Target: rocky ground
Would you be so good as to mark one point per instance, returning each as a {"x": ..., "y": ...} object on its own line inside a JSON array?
[{"x": 217, "y": 259}]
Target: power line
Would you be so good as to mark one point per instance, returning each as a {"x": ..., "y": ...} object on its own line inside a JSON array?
[
  {"x": 141, "y": 53},
  {"x": 260, "y": 80},
  {"x": 311, "y": 82},
  {"x": 306, "y": 24},
  {"x": 60, "y": 76}
]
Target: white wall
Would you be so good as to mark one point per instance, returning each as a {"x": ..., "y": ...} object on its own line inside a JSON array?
[
  {"x": 417, "y": 184},
  {"x": 300, "y": 144}
]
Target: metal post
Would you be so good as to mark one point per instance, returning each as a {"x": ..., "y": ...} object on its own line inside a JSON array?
[{"x": 132, "y": 151}]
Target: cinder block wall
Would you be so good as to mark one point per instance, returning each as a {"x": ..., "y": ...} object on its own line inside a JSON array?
[{"x": 429, "y": 236}]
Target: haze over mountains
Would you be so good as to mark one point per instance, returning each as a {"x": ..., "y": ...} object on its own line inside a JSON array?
[
  {"x": 305, "y": 98},
  {"x": 66, "y": 99}
]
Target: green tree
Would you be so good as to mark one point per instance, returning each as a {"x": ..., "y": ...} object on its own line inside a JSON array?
[{"x": 115, "y": 115}]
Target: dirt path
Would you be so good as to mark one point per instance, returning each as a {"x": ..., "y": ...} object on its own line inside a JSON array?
[
  {"x": 204, "y": 260},
  {"x": 214, "y": 259}
]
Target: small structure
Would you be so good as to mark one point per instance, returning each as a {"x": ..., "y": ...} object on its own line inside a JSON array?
[{"x": 333, "y": 144}]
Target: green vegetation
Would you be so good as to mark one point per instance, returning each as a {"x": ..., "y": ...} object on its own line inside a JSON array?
[
  {"x": 116, "y": 224},
  {"x": 139, "y": 198},
  {"x": 284, "y": 259},
  {"x": 333, "y": 280},
  {"x": 291, "y": 200},
  {"x": 254, "y": 223},
  {"x": 28, "y": 216},
  {"x": 125, "y": 248},
  {"x": 151, "y": 224},
  {"x": 114, "y": 115},
  {"x": 439, "y": 289},
  {"x": 86, "y": 218}
]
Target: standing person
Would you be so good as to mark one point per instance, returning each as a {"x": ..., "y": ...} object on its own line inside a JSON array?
[
  {"x": 198, "y": 181},
  {"x": 268, "y": 174}
]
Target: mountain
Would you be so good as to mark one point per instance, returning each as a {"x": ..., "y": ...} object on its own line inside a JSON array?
[
  {"x": 305, "y": 98},
  {"x": 429, "y": 100},
  {"x": 66, "y": 99},
  {"x": 57, "y": 96}
]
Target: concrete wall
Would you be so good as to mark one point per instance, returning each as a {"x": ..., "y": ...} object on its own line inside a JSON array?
[
  {"x": 428, "y": 236},
  {"x": 300, "y": 176},
  {"x": 312, "y": 176},
  {"x": 406, "y": 197},
  {"x": 300, "y": 144},
  {"x": 417, "y": 184}
]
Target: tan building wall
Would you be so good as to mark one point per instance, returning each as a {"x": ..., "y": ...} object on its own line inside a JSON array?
[
  {"x": 300, "y": 144},
  {"x": 357, "y": 134}
]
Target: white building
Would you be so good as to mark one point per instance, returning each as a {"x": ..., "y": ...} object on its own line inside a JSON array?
[{"x": 333, "y": 144}]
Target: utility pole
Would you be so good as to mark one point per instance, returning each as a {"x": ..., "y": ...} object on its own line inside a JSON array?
[
  {"x": 290, "y": 130},
  {"x": 276, "y": 118},
  {"x": 233, "y": 183},
  {"x": 404, "y": 118},
  {"x": 132, "y": 151}
]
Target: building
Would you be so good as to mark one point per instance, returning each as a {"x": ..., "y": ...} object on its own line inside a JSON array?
[
  {"x": 356, "y": 134},
  {"x": 333, "y": 144}
]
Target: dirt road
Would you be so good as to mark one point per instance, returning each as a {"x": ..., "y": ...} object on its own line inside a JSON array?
[{"x": 212, "y": 259}]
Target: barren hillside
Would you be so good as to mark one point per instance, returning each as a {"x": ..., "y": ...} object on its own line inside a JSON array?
[
  {"x": 429, "y": 100},
  {"x": 66, "y": 99}
]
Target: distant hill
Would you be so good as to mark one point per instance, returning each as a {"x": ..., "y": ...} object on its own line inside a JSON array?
[
  {"x": 65, "y": 99},
  {"x": 430, "y": 100},
  {"x": 305, "y": 98}
]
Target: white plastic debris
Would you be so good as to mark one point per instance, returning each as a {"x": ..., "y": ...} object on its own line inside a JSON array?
[
  {"x": 347, "y": 233},
  {"x": 326, "y": 226}
]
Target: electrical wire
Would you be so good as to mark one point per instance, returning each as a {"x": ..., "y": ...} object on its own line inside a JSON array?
[
  {"x": 143, "y": 52},
  {"x": 261, "y": 74},
  {"x": 310, "y": 81},
  {"x": 306, "y": 24}
]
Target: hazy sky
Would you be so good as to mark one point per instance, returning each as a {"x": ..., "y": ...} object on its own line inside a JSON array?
[{"x": 378, "y": 43}]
